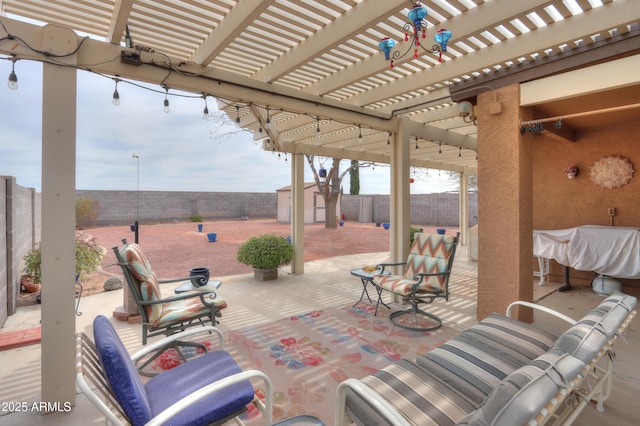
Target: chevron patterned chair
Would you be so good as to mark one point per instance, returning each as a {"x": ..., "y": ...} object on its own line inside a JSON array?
[
  {"x": 165, "y": 315},
  {"x": 425, "y": 279}
]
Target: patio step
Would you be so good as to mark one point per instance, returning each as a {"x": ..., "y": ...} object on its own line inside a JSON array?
[{"x": 16, "y": 339}]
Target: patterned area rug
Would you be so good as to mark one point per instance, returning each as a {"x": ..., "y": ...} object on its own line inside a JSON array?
[{"x": 306, "y": 356}]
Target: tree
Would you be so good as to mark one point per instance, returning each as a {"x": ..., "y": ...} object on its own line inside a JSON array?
[
  {"x": 87, "y": 211},
  {"x": 473, "y": 180},
  {"x": 330, "y": 189},
  {"x": 354, "y": 178}
]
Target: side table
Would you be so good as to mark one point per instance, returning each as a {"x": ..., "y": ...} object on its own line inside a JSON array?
[
  {"x": 366, "y": 277},
  {"x": 188, "y": 286}
]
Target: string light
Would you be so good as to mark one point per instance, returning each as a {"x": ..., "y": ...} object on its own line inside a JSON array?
[
  {"x": 238, "y": 114},
  {"x": 459, "y": 151},
  {"x": 13, "y": 78},
  {"x": 116, "y": 96},
  {"x": 416, "y": 144},
  {"x": 389, "y": 138},
  {"x": 439, "y": 147},
  {"x": 166, "y": 100},
  {"x": 317, "y": 125},
  {"x": 359, "y": 133},
  {"x": 267, "y": 122},
  {"x": 205, "y": 112}
]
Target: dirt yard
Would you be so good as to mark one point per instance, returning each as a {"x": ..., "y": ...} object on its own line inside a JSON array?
[{"x": 173, "y": 249}]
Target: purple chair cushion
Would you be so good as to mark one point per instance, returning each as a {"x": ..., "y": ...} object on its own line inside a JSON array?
[
  {"x": 121, "y": 373},
  {"x": 167, "y": 388}
]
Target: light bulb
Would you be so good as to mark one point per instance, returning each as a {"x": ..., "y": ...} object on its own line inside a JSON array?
[
  {"x": 166, "y": 105},
  {"x": 205, "y": 113},
  {"x": 13, "y": 80},
  {"x": 116, "y": 98}
]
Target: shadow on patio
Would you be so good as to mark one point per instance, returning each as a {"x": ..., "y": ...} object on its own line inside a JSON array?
[{"x": 326, "y": 284}]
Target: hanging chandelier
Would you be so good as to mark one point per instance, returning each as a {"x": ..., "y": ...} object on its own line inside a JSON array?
[{"x": 418, "y": 26}]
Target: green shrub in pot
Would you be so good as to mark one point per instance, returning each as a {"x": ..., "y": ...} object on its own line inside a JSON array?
[{"x": 266, "y": 252}]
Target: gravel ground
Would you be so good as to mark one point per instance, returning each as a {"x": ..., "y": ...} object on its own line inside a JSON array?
[{"x": 173, "y": 249}]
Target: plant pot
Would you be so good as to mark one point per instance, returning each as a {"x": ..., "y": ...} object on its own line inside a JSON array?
[
  {"x": 199, "y": 227},
  {"x": 212, "y": 237},
  {"x": 386, "y": 225},
  {"x": 265, "y": 274},
  {"x": 203, "y": 273},
  {"x": 572, "y": 175},
  {"x": 441, "y": 231},
  {"x": 378, "y": 224},
  {"x": 29, "y": 285}
]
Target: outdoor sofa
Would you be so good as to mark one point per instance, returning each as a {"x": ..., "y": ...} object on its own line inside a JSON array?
[{"x": 501, "y": 371}]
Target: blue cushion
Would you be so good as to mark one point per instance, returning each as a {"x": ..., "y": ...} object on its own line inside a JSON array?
[
  {"x": 121, "y": 372},
  {"x": 167, "y": 388}
]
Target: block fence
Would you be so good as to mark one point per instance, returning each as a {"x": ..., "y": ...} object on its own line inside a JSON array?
[
  {"x": 20, "y": 216},
  {"x": 124, "y": 207}
]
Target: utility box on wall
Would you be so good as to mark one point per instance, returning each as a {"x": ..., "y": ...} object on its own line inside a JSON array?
[{"x": 314, "y": 210}]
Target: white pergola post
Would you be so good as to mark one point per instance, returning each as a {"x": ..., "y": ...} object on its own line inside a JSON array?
[
  {"x": 58, "y": 219},
  {"x": 297, "y": 212},
  {"x": 464, "y": 208},
  {"x": 400, "y": 201}
]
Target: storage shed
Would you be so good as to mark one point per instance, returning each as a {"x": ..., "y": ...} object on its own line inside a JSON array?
[{"x": 314, "y": 210}]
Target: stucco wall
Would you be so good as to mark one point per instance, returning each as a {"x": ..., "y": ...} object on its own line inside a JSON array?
[{"x": 563, "y": 203}]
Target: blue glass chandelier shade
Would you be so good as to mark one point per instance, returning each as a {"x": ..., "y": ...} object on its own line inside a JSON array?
[{"x": 418, "y": 26}]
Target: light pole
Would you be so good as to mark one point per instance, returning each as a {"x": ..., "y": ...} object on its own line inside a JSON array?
[{"x": 136, "y": 224}]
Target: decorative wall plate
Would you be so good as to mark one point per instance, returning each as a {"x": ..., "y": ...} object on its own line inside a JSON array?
[{"x": 611, "y": 171}]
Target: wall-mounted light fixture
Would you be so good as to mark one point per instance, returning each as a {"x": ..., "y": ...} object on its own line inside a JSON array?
[{"x": 467, "y": 111}]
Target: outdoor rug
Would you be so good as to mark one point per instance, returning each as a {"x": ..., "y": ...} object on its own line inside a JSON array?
[{"x": 306, "y": 356}]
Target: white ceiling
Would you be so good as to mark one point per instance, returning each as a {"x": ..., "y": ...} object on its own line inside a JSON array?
[{"x": 306, "y": 64}]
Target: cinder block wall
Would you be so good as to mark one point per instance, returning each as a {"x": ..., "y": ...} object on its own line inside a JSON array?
[
  {"x": 19, "y": 232},
  {"x": 122, "y": 207},
  {"x": 426, "y": 209}
]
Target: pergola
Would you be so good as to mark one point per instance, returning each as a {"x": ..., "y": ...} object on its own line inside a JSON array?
[{"x": 307, "y": 77}]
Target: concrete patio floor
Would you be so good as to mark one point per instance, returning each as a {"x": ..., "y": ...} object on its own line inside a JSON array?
[{"x": 326, "y": 283}]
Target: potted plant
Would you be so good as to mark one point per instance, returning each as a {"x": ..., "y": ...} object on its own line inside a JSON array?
[
  {"x": 32, "y": 272},
  {"x": 88, "y": 258},
  {"x": 265, "y": 254}
]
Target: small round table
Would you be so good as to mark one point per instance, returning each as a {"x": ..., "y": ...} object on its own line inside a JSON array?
[
  {"x": 188, "y": 286},
  {"x": 366, "y": 277}
]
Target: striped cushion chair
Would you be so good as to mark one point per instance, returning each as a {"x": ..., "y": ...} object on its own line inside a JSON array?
[
  {"x": 425, "y": 278},
  {"x": 165, "y": 315}
]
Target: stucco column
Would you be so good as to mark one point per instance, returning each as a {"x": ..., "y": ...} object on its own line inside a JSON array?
[
  {"x": 505, "y": 200},
  {"x": 297, "y": 212},
  {"x": 58, "y": 220},
  {"x": 400, "y": 197}
]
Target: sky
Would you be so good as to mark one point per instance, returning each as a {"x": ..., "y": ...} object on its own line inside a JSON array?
[{"x": 177, "y": 151}]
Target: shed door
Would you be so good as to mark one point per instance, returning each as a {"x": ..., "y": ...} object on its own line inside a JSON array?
[{"x": 318, "y": 207}]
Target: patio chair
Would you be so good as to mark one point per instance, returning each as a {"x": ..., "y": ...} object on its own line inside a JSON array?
[
  {"x": 168, "y": 315},
  {"x": 425, "y": 279},
  {"x": 209, "y": 389}
]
